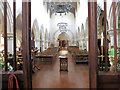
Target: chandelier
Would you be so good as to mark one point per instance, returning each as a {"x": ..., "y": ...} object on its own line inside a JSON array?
[{"x": 60, "y": 7}]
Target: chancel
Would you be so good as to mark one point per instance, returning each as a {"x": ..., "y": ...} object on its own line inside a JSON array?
[{"x": 59, "y": 44}]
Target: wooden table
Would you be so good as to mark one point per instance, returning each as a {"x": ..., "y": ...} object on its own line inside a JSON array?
[
  {"x": 63, "y": 63},
  {"x": 45, "y": 58}
]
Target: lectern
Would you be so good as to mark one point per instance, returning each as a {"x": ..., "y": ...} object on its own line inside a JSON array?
[{"x": 63, "y": 63}]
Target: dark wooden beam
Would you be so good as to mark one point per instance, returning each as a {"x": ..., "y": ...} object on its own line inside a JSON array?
[
  {"x": 105, "y": 35},
  {"x": 26, "y": 39},
  {"x": 29, "y": 48},
  {"x": 14, "y": 34},
  {"x": 5, "y": 34},
  {"x": 92, "y": 21},
  {"x": 115, "y": 38}
]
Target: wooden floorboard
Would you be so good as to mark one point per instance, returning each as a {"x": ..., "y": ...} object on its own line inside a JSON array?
[{"x": 49, "y": 76}]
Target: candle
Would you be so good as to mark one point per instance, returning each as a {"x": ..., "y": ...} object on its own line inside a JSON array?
[{"x": 102, "y": 39}]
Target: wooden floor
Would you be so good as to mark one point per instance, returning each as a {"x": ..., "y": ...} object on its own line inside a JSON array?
[{"x": 49, "y": 76}]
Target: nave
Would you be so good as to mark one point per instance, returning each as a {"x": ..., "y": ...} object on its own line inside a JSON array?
[
  {"x": 49, "y": 75},
  {"x": 91, "y": 27}
]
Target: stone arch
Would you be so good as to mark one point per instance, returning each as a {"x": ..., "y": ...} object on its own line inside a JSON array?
[
  {"x": 1, "y": 31},
  {"x": 9, "y": 26},
  {"x": 35, "y": 32},
  {"x": 57, "y": 33},
  {"x": 9, "y": 16},
  {"x": 35, "y": 29},
  {"x": 63, "y": 36},
  {"x": 117, "y": 6},
  {"x": 1, "y": 21},
  {"x": 118, "y": 15}
]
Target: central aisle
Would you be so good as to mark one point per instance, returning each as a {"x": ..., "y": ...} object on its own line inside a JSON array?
[{"x": 49, "y": 76}]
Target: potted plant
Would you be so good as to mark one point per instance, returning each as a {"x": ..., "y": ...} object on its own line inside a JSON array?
[
  {"x": 118, "y": 59},
  {"x": 2, "y": 60}
]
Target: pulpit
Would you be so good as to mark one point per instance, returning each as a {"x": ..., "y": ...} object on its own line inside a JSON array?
[{"x": 63, "y": 63}]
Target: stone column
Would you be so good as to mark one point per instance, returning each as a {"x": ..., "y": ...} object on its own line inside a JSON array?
[
  {"x": 80, "y": 45},
  {"x": 87, "y": 47},
  {"x": 0, "y": 29},
  {"x": 43, "y": 47},
  {"x": 118, "y": 39},
  {"x": 54, "y": 41},
  {"x": 10, "y": 42},
  {"x": 37, "y": 44},
  {"x": 111, "y": 38},
  {"x": 0, "y": 34},
  {"x": 46, "y": 44},
  {"x": 40, "y": 46}
]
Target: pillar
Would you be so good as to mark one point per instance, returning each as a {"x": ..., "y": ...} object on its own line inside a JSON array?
[
  {"x": 93, "y": 57},
  {"x": 105, "y": 35},
  {"x": 14, "y": 35},
  {"x": 5, "y": 34},
  {"x": 10, "y": 43},
  {"x": 115, "y": 36},
  {"x": 0, "y": 32},
  {"x": 26, "y": 44},
  {"x": 118, "y": 39}
]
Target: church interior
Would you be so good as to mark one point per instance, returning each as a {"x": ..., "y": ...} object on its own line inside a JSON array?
[{"x": 59, "y": 44}]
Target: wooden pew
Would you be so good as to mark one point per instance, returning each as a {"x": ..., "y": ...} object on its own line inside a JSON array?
[
  {"x": 81, "y": 58},
  {"x": 45, "y": 58},
  {"x": 5, "y": 77}
]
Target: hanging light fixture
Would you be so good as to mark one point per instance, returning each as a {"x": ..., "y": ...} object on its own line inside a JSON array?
[{"x": 60, "y": 7}]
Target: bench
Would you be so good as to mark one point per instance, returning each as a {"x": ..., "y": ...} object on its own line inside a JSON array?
[{"x": 81, "y": 58}]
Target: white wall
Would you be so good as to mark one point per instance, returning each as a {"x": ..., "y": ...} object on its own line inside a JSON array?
[
  {"x": 39, "y": 12},
  {"x": 69, "y": 19}
]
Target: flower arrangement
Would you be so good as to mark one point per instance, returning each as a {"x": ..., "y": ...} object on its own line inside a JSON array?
[
  {"x": 2, "y": 60},
  {"x": 118, "y": 60}
]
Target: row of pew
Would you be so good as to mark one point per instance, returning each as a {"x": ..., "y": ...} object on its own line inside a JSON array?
[
  {"x": 47, "y": 56},
  {"x": 78, "y": 55},
  {"x": 49, "y": 51}
]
